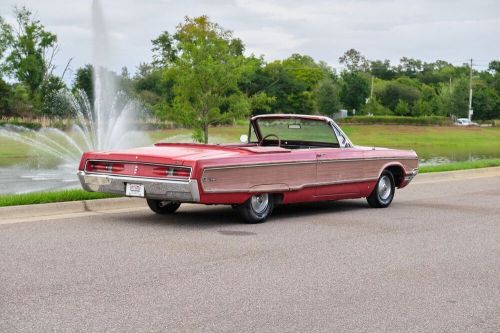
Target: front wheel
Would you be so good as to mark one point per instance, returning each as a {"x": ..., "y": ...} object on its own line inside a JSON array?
[
  {"x": 383, "y": 193},
  {"x": 257, "y": 208},
  {"x": 162, "y": 206}
]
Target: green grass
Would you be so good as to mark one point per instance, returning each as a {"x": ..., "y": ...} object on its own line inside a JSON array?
[
  {"x": 494, "y": 162},
  {"x": 48, "y": 197},
  {"x": 455, "y": 143}
]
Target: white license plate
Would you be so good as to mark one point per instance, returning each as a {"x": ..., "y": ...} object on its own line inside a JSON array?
[{"x": 134, "y": 190}]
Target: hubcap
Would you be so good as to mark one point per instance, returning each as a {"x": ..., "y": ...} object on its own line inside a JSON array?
[
  {"x": 259, "y": 202},
  {"x": 384, "y": 188}
]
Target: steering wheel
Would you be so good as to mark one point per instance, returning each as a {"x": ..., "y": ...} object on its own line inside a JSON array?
[{"x": 270, "y": 135}]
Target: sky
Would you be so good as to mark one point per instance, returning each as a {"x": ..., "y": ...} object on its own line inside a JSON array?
[{"x": 451, "y": 30}]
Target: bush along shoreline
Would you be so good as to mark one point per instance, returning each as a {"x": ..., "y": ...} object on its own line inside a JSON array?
[{"x": 397, "y": 120}]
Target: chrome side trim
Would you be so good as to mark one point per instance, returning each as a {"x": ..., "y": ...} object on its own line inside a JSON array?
[
  {"x": 154, "y": 188},
  {"x": 294, "y": 188},
  {"x": 307, "y": 162}
]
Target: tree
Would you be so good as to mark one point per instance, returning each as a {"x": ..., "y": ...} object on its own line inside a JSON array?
[
  {"x": 354, "y": 61},
  {"x": 5, "y": 98},
  {"x": 355, "y": 90},
  {"x": 206, "y": 74},
  {"x": 409, "y": 67},
  {"x": 164, "y": 50},
  {"x": 396, "y": 91},
  {"x": 84, "y": 81},
  {"x": 327, "y": 98},
  {"x": 494, "y": 66},
  {"x": 402, "y": 108},
  {"x": 30, "y": 50},
  {"x": 382, "y": 70},
  {"x": 486, "y": 103},
  {"x": 374, "y": 107}
]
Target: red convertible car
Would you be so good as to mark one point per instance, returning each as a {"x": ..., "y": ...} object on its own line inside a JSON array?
[{"x": 284, "y": 159}]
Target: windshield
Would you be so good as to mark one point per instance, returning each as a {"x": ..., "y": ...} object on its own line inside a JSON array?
[{"x": 296, "y": 129}]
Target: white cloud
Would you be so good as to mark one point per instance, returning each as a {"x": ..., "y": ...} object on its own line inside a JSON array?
[{"x": 271, "y": 42}]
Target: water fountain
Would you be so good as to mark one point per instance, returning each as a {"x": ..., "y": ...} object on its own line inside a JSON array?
[{"x": 107, "y": 123}]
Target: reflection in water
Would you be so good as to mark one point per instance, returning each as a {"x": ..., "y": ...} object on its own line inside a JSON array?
[{"x": 22, "y": 180}]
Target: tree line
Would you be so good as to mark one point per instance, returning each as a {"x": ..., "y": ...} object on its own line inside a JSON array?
[{"x": 199, "y": 76}]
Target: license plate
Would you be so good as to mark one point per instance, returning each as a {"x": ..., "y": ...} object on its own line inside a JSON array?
[{"x": 134, "y": 190}]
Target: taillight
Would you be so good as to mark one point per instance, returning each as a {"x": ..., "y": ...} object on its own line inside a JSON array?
[
  {"x": 106, "y": 167},
  {"x": 95, "y": 166},
  {"x": 171, "y": 171},
  {"x": 181, "y": 172},
  {"x": 117, "y": 167}
]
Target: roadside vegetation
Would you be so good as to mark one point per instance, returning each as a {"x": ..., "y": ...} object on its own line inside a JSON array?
[
  {"x": 48, "y": 197},
  {"x": 465, "y": 165}
]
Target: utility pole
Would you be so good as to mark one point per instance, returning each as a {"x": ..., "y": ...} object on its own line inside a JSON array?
[
  {"x": 371, "y": 90},
  {"x": 470, "y": 91}
]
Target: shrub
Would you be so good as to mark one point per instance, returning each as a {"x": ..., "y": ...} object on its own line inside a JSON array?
[
  {"x": 395, "y": 120},
  {"x": 30, "y": 125}
]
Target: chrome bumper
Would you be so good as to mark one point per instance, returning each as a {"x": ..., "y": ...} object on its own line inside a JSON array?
[
  {"x": 162, "y": 189},
  {"x": 409, "y": 178}
]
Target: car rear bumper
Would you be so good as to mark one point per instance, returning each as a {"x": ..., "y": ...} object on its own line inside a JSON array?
[{"x": 161, "y": 189}]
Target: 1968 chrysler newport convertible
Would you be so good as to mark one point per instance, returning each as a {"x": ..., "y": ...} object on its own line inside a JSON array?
[{"x": 284, "y": 159}]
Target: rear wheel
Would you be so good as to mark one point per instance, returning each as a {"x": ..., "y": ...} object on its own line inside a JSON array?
[
  {"x": 383, "y": 193},
  {"x": 257, "y": 208},
  {"x": 162, "y": 206}
]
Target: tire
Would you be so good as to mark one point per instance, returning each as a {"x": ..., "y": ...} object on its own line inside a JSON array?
[
  {"x": 163, "y": 207},
  {"x": 257, "y": 208},
  {"x": 383, "y": 193}
]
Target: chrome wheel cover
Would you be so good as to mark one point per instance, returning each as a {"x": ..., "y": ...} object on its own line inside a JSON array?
[
  {"x": 259, "y": 203},
  {"x": 384, "y": 188}
]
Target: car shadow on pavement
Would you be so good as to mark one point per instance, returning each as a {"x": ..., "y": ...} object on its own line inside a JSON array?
[
  {"x": 317, "y": 208},
  {"x": 201, "y": 216}
]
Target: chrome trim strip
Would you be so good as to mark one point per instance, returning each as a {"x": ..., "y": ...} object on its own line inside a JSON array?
[
  {"x": 296, "y": 188},
  {"x": 307, "y": 162}
]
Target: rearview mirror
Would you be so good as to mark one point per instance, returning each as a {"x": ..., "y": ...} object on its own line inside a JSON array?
[{"x": 244, "y": 138}]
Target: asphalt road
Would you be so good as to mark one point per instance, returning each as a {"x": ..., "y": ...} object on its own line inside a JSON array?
[{"x": 428, "y": 263}]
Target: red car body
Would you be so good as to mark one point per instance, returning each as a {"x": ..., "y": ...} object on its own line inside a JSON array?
[{"x": 283, "y": 171}]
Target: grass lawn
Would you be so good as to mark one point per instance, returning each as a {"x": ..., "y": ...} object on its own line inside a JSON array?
[{"x": 48, "y": 197}]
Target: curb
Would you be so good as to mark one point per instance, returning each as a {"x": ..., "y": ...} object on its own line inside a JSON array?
[
  {"x": 102, "y": 205},
  {"x": 70, "y": 207},
  {"x": 457, "y": 174}
]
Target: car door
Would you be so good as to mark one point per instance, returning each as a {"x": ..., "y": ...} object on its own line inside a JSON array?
[{"x": 337, "y": 171}]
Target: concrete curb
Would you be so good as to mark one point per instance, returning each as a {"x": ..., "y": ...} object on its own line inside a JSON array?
[
  {"x": 102, "y": 205},
  {"x": 70, "y": 207}
]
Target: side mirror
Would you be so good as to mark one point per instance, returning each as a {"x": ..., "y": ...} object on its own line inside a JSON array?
[{"x": 244, "y": 138}]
